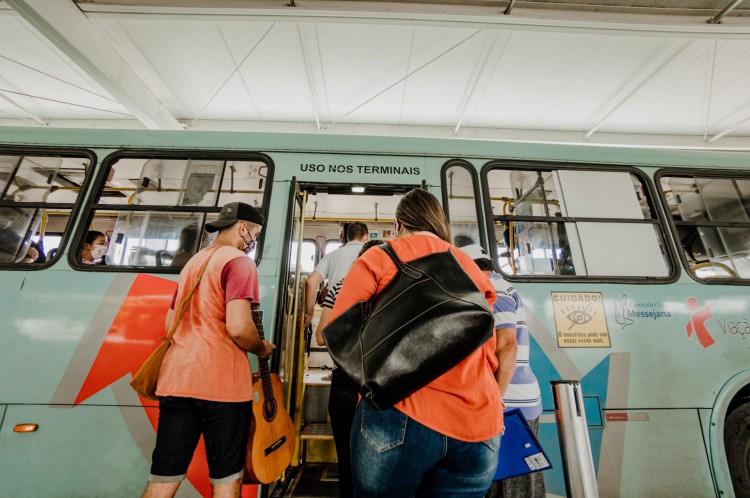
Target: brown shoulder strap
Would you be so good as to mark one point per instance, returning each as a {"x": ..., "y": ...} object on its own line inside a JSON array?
[{"x": 186, "y": 300}]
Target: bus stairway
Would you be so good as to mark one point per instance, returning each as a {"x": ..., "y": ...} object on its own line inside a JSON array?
[{"x": 312, "y": 479}]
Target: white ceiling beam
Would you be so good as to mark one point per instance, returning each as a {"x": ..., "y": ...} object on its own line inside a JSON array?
[
  {"x": 226, "y": 77},
  {"x": 571, "y": 22},
  {"x": 21, "y": 109},
  {"x": 743, "y": 121},
  {"x": 657, "y": 68},
  {"x": 135, "y": 57},
  {"x": 400, "y": 80},
  {"x": 68, "y": 29},
  {"x": 486, "y": 64},
  {"x": 308, "y": 37},
  {"x": 16, "y": 105}
]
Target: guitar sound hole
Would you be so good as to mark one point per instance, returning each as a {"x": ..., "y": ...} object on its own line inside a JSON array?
[{"x": 269, "y": 409}]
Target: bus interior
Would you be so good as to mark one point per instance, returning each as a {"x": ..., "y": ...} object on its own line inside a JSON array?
[{"x": 305, "y": 366}]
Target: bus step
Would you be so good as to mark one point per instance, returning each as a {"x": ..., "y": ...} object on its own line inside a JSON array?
[{"x": 317, "y": 431}]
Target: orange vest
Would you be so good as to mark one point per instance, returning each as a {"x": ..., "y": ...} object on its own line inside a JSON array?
[{"x": 203, "y": 361}]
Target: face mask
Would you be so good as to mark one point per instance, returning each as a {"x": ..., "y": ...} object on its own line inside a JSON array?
[
  {"x": 249, "y": 246},
  {"x": 98, "y": 252}
]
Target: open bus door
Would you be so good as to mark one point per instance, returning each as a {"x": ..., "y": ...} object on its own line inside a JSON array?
[
  {"x": 291, "y": 312},
  {"x": 318, "y": 216}
]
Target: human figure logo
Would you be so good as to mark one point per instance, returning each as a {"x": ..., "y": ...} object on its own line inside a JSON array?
[
  {"x": 697, "y": 322},
  {"x": 621, "y": 312}
]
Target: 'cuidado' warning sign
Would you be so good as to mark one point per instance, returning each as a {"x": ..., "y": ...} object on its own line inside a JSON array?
[{"x": 580, "y": 321}]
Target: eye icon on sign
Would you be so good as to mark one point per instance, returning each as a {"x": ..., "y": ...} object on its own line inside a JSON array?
[{"x": 579, "y": 317}]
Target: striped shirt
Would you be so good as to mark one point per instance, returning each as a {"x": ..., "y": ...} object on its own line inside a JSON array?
[
  {"x": 330, "y": 299},
  {"x": 523, "y": 391}
]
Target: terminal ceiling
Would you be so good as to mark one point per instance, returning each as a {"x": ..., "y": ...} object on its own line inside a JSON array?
[{"x": 652, "y": 72}]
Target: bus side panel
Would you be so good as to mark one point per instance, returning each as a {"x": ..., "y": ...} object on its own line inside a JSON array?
[
  {"x": 46, "y": 319},
  {"x": 81, "y": 451},
  {"x": 664, "y": 456},
  {"x": 654, "y": 453}
]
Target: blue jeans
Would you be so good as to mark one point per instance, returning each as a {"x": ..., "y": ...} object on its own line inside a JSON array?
[{"x": 395, "y": 456}]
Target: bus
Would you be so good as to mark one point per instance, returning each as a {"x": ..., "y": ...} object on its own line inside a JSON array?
[{"x": 633, "y": 266}]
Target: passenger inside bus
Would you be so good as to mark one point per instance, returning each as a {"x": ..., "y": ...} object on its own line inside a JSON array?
[
  {"x": 11, "y": 234},
  {"x": 463, "y": 240},
  {"x": 334, "y": 266},
  {"x": 94, "y": 248},
  {"x": 34, "y": 254},
  {"x": 187, "y": 247},
  {"x": 565, "y": 258}
]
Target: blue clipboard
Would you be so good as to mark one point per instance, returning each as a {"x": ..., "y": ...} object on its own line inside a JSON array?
[{"x": 520, "y": 452}]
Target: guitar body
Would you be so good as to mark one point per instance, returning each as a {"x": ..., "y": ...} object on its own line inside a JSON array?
[{"x": 272, "y": 438}]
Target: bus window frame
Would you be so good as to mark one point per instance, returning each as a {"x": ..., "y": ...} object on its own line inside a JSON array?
[
  {"x": 92, "y": 202},
  {"x": 659, "y": 220},
  {"x": 478, "y": 194},
  {"x": 703, "y": 173},
  {"x": 75, "y": 208}
]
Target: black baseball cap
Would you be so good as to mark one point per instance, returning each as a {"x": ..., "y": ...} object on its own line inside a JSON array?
[{"x": 234, "y": 212}]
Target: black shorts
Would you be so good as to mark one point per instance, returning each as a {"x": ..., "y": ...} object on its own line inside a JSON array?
[{"x": 225, "y": 428}]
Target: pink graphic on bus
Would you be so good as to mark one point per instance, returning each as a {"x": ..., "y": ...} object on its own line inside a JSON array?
[{"x": 697, "y": 323}]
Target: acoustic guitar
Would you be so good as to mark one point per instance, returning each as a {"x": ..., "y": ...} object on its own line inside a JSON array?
[{"x": 272, "y": 438}]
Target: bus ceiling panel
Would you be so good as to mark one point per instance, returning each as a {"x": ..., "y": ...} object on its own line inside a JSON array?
[
  {"x": 351, "y": 206},
  {"x": 347, "y": 188}
]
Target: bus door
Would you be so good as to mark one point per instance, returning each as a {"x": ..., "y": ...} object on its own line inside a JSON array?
[
  {"x": 290, "y": 295},
  {"x": 319, "y": 215}
]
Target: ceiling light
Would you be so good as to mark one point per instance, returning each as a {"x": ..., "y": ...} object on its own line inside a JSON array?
[{"x": 358, "y": 190}]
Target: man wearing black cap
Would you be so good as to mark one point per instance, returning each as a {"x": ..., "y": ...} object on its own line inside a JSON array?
[{"x": 205, "y": 383}]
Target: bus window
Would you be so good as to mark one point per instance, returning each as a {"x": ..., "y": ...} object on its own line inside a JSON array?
[
  {"x": 711, "y": 216},
  {"x": 331, "y": 245},
  {"x": 154, "y": 208},
  {"x": 460, "y": 203},
  {"x": 37, "y": 196},
  {"x": 309, "y": 250},
  {"x": 552, "y": 222}
]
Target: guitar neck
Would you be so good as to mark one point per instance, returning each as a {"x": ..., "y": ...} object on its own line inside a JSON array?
[{"x": 265, "y": 372}]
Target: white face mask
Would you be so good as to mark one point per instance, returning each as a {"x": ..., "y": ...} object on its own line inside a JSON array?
[{"x": 98, "y": 252}]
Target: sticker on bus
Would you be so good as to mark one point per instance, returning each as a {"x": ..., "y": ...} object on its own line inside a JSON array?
[{"x": 580, "y": 321}]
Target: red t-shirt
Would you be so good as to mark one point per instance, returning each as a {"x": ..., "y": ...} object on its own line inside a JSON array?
[{"x": 239, "y": 281}]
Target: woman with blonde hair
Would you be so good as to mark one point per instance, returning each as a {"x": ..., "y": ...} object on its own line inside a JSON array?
[{"x": 441, "y": 440}]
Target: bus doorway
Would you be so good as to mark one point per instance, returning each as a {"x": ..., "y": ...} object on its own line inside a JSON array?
[{"x": 319, "y": 215}]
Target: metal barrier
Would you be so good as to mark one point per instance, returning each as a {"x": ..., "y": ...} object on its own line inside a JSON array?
[{"x": 578, "y": 464}]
